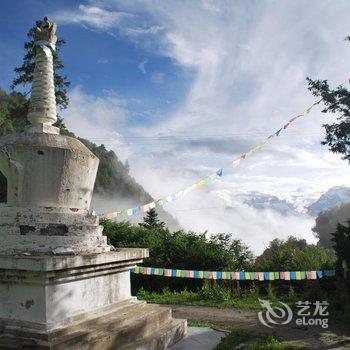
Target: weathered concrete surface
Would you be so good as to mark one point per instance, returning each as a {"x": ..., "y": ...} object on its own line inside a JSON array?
[
  {"x": 50, "y": 182},
  {"x": 129, "y": 325},
  {"x": 46, "y": 170},
  {"x": 51, "y": 291},
  {"x": 199, "y": 338},
  {"x": 53, "y": 263}
]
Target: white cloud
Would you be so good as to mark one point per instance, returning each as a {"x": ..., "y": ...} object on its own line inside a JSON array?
[
  {"x": 157, "y": 77},
  {"x": 94, "y": 16},
  {"x": 102, "y": 60},
  {"x": 250, "y": 61},
  {"x": 142, "y": 65},
  {"x": 113, "y": 22},
  {"x": 99, "y": 119}
]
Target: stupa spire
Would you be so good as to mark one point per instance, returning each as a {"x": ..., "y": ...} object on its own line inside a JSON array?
[{"x": 42, "y": 107}]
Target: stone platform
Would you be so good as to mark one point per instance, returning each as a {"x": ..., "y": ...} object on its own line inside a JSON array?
[
  {"x": 128, "y": 325},
  {"x": 79, "y": 302}
]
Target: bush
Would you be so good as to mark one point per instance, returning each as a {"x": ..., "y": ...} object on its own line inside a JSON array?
[{"x": 295, "y": 254}]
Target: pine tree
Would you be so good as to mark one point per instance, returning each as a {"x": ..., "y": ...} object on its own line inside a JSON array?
[
  {"x": 335, "y": 101},
  {"x": 127, "y": 166},
  {"x": 151, "y": 220},
  {"x": 341, "y": 238},
  {"x": 25, "y": 71}
]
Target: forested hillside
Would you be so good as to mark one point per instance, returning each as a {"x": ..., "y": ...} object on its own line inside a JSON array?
[{"x": 113, "y": 185}]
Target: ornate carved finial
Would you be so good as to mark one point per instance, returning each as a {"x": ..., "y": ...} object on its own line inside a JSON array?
[
  {"x": 45, "y": 31},
  {"x": 42, "y": 107}
]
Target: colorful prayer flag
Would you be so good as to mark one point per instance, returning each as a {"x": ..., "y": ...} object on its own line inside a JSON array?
[
  {"x": 278, "y": 132},
  {"x": 202, "y": 182},
  {"x": 219, "y": 172}
]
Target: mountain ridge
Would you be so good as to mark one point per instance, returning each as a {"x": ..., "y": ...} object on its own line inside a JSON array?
[
  {"x": 333, "y": 197},
  {"x": 114, "y": 185}
]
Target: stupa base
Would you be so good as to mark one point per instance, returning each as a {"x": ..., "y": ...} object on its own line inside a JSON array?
[
  {"x": 79, "y": 302},
  {"x": 132, "y": 325}
]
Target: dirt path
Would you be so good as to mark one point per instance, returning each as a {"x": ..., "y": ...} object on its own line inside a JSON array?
[{"x": 335, "y": 337}]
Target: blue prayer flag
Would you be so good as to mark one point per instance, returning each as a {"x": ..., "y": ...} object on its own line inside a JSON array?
[
  {"x": 278, "y": 132},
  {"x": 135, "y": 211},
  {"x": 329, "y": 273}
]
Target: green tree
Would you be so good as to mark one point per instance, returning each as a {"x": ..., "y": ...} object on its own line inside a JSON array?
[
  {"x": 127, "y": 166},
  {"x": 151, "y": 220},
  {"x": 327, "y": 222},
  {"x": 341, "y": 239},
  {"x": 335, "y": 101},
  {"x": 181, "y": 249},
  {"x": 24, "y": 73},
  {"x": 294, "y": 254},
  {"x": 13, "y": 109}
]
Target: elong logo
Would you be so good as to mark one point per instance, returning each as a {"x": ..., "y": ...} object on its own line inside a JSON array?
[
  {"x": 274, "y": 315},
  {"x": 283, "y": 314}
]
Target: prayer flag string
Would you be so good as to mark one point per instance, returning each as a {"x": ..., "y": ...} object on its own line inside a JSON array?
[
  {"x": 235, "y": 275},
  {"x": 259, "y": 145},
  {"x": 206, "y": 180}
]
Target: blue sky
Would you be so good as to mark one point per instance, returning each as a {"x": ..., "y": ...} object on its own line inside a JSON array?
[
  {"x": 96, "y": 60},
  {"x": 179, "y": 88}
]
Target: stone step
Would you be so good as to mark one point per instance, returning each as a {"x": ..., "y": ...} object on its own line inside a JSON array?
[
  {"x": 169, "y": 334},
  {"x": 76, "y": 324},
  {"x": 136, "y": 324},
  {"x": 139, "y": 322}
]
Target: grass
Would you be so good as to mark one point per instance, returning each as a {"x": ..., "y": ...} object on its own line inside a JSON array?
[
  {"x": 233, "y": 339},
  {"x": 216, "y": 295},
  {"x": 216, "y": 327},
  {"x": 207, "y": 296},
  {"x": 271, "y": 343}
]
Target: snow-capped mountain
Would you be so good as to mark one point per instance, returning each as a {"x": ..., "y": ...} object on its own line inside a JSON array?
[
  {"x": 330, "y": 199},
  {"x": 264, "y": 201},
  {"x": 259, "y": 201}
]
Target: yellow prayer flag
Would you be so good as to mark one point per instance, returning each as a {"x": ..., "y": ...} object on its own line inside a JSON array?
[
  {"x": 200, "y": 183},
  {"x": 247, "y": 275},
  {"x": 271, "y": 276},
  {"x": 308, "y": 110},
  {"x": 298, "y": 275}
]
